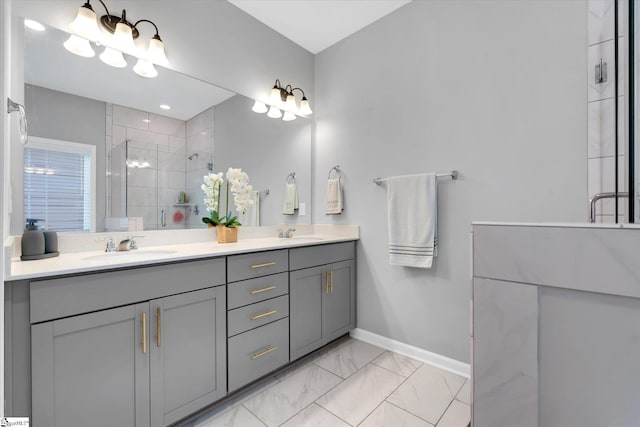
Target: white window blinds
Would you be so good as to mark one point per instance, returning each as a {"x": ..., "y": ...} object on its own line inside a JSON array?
[{"x": 57, "y": 187}]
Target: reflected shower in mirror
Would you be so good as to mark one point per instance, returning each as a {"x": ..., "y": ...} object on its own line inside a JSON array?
[{"x": 150, "y": 160}]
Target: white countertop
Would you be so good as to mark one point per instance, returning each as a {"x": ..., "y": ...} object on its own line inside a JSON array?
[{"x": 97, "y": 260}]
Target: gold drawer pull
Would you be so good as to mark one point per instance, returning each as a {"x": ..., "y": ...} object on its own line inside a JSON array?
[
  {"x": 268, "y": 288},
  {"x": 259, "y": 316},
  {"x": 331, "y": 283},
  {"x": 144, "y": 332},
  {"x": 262, "y": 353},
  {"x": 266, "y": 264}
]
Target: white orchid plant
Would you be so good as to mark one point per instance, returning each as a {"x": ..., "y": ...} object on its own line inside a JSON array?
[{"x": 237, "y": 185}]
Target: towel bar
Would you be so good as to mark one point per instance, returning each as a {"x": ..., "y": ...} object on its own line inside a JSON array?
[{"x": 453, "y": 175}]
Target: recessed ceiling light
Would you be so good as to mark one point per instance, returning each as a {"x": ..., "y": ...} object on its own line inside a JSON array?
[
  {"x": 34, "y": 25},
  {"x": 165, "y": 106},
  {"x": 146, "y": 120}
]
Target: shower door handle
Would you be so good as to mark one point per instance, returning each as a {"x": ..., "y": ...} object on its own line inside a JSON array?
[
  {"x": 163, "y": 218},
  {"x": 598, "y": 196}
]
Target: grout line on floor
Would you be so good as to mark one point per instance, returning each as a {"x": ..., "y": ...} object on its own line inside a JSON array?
[{"x": 411, "y": 413}]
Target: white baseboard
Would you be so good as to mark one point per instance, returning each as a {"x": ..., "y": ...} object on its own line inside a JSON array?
[{"x": 437, "y": 360}]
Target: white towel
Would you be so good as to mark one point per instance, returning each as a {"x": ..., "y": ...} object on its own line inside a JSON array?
[
  {"x": 290, "y": 199},
  {"x": 334, "y": 197},
  {"x": 412, "y": 220},
  {"x": 251, "y": 218}
]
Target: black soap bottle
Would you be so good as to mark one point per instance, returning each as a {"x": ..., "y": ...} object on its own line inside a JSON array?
[{"x": 32, "y": 241}]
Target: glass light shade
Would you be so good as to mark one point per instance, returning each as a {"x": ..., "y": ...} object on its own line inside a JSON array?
[
  {"x": 305, "y": 109},
  {"x": 34, "y": 25},
  {"x": 155, "y": 52},
  {"x": 122, "y": 39},
  {"x": 86, "y": 25},
  {"x": 275, "y": 99},
  {"x": 145, "y": 69},
  {"x": 259, "y": 107},
  {"x": 113, "y": 57},
  {"x": 274, "y": 113},
  {"x": 79, "y": 46},
  {"x": 288, "y": 116},
  {"x": 290, "y": 104}
]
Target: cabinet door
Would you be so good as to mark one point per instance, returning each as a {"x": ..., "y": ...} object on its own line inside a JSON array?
[
  {"x": 91, "y": 370},
  {"x": 340, "y": 313},
  {"x": 306, "y": 290},
  {"x": 188, "y": 353}
]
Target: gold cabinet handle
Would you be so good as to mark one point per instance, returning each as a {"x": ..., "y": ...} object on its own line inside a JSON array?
[
  {"x": 326, "y": 281},
  {"x": 262, "y": 353},
  {"x": 158, "y": 325},
  {"x": 144, "y": 332},
  {"x": 266, "y": 264},
  {"x": 268, "y": 288},
  {"x": 259, "y": 316},
  {"x": 331, "y": 282}
]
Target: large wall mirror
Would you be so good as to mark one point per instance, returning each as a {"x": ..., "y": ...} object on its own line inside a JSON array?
[{"x": 150, "y": 161}]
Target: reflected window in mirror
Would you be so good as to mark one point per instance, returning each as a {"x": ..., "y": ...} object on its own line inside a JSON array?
[{"x": 59, "y": 178}]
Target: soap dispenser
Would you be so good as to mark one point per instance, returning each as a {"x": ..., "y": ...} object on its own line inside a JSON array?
[{"x": 32, "y": 241}]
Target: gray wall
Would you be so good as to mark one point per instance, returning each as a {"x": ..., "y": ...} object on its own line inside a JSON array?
[
  {"x": 62, "y": 116},
  {"x": 268, "y": 150},
  {"x": 495, "y": 89}
]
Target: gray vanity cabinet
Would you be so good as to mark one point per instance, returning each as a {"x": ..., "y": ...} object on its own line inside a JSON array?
[
  {"x": 91, "y": 370},
  {"x": 322, "y": 297},
  {"x": 187, "y": 350},
  {"x": 148, "y": 363}
]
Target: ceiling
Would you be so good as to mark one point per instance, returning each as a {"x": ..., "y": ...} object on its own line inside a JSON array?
[{"x": 317, "y": 24}]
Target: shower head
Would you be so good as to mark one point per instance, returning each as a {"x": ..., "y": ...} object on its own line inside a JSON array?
[{"x": 192, "y": 156}]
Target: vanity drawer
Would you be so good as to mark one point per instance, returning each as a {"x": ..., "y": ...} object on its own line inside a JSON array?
[
  {"x": 257, "y": 352},
  {"x": 248, "y": 266},
  {"x": 256, "y": 290},
  {"x": 311, "y": 256},
  {"x": 254, "y": 315}
]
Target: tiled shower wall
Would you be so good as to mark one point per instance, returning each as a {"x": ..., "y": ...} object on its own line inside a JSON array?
[
  {"x": 601, "y": 109},
  {"x": 160, "y": 141},
  {"x": 200, "y": 142}
]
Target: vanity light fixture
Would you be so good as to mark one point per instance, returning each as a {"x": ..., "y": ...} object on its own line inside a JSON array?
[
  {"x": 283, "y": 98},
  {"x": 123, "y": 33}
]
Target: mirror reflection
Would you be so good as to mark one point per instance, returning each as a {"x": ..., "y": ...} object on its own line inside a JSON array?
[{"x": 150, "y": 160}]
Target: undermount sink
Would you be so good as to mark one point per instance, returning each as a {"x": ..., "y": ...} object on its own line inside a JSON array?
[
  {"x": 309, "y": 238},
  {"x": 129, "y": 255}
]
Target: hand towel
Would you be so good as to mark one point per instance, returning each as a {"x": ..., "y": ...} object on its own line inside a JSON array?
[
  {"x": 412, "y": 220},
  {"x": 290, "y": 199},
  {"x": 334, "y": 197},
  {"x": 251, "y": 217}
]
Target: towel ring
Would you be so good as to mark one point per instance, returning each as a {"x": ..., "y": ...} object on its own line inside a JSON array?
[
  {"x": 292, "y": 175},
  {"x": 338, "y": 171}
]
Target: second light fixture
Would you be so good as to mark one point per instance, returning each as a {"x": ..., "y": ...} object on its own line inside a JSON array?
[{"x": 283, "y": 98}]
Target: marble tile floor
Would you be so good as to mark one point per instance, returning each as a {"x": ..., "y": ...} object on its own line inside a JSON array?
[{"x": 349, "y": 383}]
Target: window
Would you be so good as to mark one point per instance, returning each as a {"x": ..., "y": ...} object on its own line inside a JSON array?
[{"x": 59, "y": 184}]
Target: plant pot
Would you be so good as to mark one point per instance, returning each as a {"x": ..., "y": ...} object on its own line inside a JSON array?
[{"x": 227, "y": 234}]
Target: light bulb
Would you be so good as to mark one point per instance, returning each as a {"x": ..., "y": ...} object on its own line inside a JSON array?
[
  {"x": 290, "y": 104},
  {"x": 145, "y": 69},
  {"x": 113, "y": 57},
  {"x": 274, "y": 113},
  {"x": 259, "y": 107},
  {"x": 79, "y": 46},
  {"x": 275, "y": 99},
  {"x": 122, "y": 39},
  {"x": 305, "y": 109},
  {"x": 85, "y": 24},
  {"x": 34, "y": 25},
  {"x": 288, "y": 116},
  {"x": 155, "y": 52}
]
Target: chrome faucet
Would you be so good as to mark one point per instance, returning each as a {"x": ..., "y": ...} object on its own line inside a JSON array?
[
  {"x": 111, "y": 247},
  {"x": 286, "y": 234},
  {"x": 132, "y": 243}
]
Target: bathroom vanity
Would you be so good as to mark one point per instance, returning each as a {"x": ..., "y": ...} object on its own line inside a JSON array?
[
  {"x": 148, "y": 345},
  {"x": 555, "y": 331}
]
